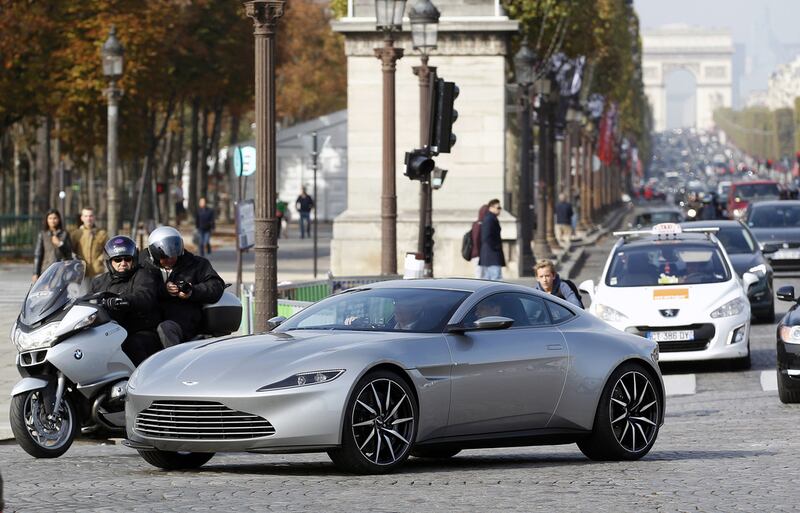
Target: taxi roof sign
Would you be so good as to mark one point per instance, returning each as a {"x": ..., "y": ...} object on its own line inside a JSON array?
[{"x": 666, "y": 229}]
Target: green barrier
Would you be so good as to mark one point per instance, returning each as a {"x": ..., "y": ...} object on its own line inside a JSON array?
[{"x": 18, "y": 234}]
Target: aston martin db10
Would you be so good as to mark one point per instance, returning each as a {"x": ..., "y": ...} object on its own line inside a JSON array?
[{"x": 420, "y": 367}]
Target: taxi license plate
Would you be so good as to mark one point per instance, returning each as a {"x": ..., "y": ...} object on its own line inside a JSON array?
[
  {"x": 670, "y": 336},
  {"x": 787, "y": 254}
]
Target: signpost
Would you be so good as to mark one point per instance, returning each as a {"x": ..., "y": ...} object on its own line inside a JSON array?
[{"x": 245, "y": 235}]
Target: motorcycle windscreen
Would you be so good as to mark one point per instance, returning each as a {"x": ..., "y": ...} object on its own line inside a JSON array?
[{"x": 58, "y": 285}]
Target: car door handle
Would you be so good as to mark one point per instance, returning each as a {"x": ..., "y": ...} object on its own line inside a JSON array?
[{"x": 554, "y": 347}]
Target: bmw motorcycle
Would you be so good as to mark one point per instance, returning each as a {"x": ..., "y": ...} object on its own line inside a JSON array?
[{"x": 74, "y": 372}]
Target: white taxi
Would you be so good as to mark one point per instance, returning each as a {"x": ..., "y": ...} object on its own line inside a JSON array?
[{"x": 676, "y": 287}]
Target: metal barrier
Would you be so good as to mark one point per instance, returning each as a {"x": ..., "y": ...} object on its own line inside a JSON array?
[{"x": 18, "y": 234}]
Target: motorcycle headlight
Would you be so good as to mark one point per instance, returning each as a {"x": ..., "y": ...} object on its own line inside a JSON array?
[
  {"x": 758, "y": 269},
  {"x": 729, "y": 309},
  {"x": 790, "y": 334},
  {"x": 36, "y": 339},
  {"x": 304, "y": 379},
  {"x": 608, "y": 314}
]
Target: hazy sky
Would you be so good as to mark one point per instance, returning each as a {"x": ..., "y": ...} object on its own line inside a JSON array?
[{"x": 769, "y": 29}]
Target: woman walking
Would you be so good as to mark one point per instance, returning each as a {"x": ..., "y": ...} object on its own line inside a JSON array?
[{"x": 52, "y": 245}]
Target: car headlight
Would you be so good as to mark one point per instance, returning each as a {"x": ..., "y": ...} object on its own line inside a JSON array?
[
  {"x": 609, "y": 314},
  {"x": 729, "y": 309},
  {"x": 790, "y": 334},
  {"x": 304, "y": 379},
  {"x": 758, "y": 269},
  {"x": 132, "y": 381},
  {"x": 737, "y": 212},
  {"x": 36, "y": 339}
]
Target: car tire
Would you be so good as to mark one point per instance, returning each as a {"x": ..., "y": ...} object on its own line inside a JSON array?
[
  {"x": 380, "y": 425},
  {"x": 629, "y": 409},
  {"x": 440, "y": 453},
  {"x": 785, "y": 389},
  {"x": 40, "y": 444},
  {"x": 169, "y": 460}
]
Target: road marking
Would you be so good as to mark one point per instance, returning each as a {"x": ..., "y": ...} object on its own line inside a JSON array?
[
  {"x": 680, "y": 384},
  {"x": 769, "y": 380}
]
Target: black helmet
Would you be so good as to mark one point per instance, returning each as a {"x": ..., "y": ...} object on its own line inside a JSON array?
[
  {"x": 165, "y": 242},
  {"x": 120, "y": 246}
]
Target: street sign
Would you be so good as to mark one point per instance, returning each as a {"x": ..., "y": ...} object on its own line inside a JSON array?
[
  {"x": 246, "y": 225},
  {"x": 244, "y": 160}
]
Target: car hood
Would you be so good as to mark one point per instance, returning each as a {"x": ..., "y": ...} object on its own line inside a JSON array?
[
  {"x": 243, "y": 364},
  {"x": 772, "y": 235}
]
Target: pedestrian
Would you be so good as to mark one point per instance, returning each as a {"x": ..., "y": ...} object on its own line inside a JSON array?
[
  {"x": 187, "y": 283},
  {"x": 52, "y": 245},
  {"x": 476, "y": 240},
  {"x": 548, "y": 280},
  {"x": 304, "y": 204},
  {"x": 177, "y": 197},
  {"x": 204, "y": 224},
  {"x": 88, "y": 242},
  {"x": 563, "y": 220},
  {"x": 491, "y": 250},
  {"x": 134, "y": 304},
  {"x": 280, "y": 213}
]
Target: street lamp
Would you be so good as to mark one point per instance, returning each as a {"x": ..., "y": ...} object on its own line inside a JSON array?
[
  {"x": 524, "y": 60},
  {"x": 113, "y": 64},
  {"x": 389, "y": 19},
  {"x": 424, "y": 17},
  {"x": 265, "y": 15}
]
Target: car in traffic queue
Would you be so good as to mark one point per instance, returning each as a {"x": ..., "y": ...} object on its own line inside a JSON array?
[
  {"x": 746, "y": 255},
  {"x": 650, "y": 216},
  {"x": 788, "y": 349},
  {"x": 407, "y": 367},
  {"x": 677, "y": 287},
  {"x": 742, "y": 194},
  {"x": 776, "y": 226}
]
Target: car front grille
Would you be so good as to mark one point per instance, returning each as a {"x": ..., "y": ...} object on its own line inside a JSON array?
[
  {"x": 703, "y": 333},
  {"x": 199, "y": 420}
]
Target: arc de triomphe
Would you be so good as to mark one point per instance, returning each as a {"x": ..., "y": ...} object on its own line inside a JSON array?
[{"x": 705, "y": 53}]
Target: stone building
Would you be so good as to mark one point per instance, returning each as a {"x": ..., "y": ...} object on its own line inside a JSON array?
[{"x": 473, "y": 47}]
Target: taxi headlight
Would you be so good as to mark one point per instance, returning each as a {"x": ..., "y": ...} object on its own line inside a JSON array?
[
  {"x": 729, "y": 309},
  {"x": 37, "y": 339},
  {"x": 790, "y": 334},
  {"x": 608, "y": 314}
]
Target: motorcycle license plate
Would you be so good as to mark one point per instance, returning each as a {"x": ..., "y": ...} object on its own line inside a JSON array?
[{"x": 670, "y": 336}]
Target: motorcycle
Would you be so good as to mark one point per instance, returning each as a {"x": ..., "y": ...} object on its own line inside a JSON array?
[{"x": 74, "y": 372}]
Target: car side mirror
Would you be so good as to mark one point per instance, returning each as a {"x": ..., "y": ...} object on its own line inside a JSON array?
[
  {"x": 786, "y": 293},
  {"x": 275, "y": 322},
  {"x": 492, "y": 322},
  {"x": 768, "y": 250},
  {"x": 587, "y": 287},
  {"x": 749, "y": 279}
]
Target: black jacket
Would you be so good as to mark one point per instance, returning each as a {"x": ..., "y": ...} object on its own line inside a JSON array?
[
  {"x": 207, "y": 287},
  {"x": 140, "y": 289},
  {"x": 491, "y": 243},
  {"x": 45, "y": 253},
  {"x": 204, "y": 219}
]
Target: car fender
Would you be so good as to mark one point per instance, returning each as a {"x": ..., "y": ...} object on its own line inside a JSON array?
[{"x": 27, "y": 384}]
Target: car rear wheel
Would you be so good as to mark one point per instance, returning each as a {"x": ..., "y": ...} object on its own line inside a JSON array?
[
  {"x": 380, "y": 425},
  {"x": 169, "y": 460},
  {"x": 787, "y": 390},
  {"x": 627, "y": 418}
]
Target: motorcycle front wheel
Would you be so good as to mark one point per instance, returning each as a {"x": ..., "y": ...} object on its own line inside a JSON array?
[{"x": 40, "y": 435}]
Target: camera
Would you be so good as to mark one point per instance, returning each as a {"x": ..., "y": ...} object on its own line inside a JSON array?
[{"x": 184, "y": 286}]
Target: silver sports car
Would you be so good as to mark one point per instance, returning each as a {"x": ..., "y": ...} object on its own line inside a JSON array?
[{"x": 421, "y": 367}]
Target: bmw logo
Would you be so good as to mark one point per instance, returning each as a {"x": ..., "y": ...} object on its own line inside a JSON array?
[{"x": 78, "y": 354}]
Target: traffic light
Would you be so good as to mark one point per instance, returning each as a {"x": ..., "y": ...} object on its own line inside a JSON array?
[
  {"x": 769, "y": 165},
  {"x": 442, "y": 116},
  {"x": 427, "y": 244},
  {"x": 418, "y": 164}
]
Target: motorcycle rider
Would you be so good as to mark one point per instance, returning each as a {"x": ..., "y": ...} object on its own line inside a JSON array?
[
  {"x": 188, "y": 282},
  {"x": 135, "y": 308}
]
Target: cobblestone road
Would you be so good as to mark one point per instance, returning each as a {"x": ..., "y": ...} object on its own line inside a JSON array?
[{"x": 727, "y": 445}]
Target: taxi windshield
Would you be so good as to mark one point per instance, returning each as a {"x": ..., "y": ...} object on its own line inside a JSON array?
[{"x": 667, "y": 263}]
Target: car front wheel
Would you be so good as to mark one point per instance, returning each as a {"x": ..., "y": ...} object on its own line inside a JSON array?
[
  {"x": 787, "y": 390},
  {"x": 627, "y": 419},
  {"x": 380, "y": 425}
]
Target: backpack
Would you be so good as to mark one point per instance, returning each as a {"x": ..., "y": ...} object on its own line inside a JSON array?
[
  {"x": 574, "y": 289},
  {"x": 466, "y": 245}
]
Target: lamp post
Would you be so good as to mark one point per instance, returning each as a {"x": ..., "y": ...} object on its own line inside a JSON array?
[
  {"x": 265, "y": 15},
  {"x": 389, "y": 19},
  {"x": 113, "y": 64},
  {"x": 523, "y": 70},
  {"x": 424, "y": 19},
  {"x": 540, "y": 247}
]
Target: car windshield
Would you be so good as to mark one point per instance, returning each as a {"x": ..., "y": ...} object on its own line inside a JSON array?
[
  {"x": 667, "y": 263},
  {"x": 58, "y": 285},
  {"x": 757, "y": 190},
  {"x": 774, "y": 216},
  {"x": 383, "y": 309},
  {"x": 651, "y": 218},
  {"x": 736, "y": 241}
]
